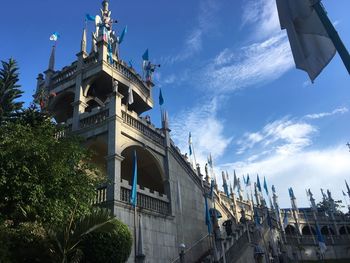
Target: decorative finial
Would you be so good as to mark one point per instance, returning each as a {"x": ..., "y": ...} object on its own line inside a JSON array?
[
  {"x": 52, "y": 59},
  {"x": 83, "y": 42}
]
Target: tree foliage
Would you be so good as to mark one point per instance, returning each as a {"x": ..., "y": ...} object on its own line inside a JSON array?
[
  {"x": 9, "y": 89},
  {"x": 42, "y": 177},
  {"x": 68, "y": 240},
  {"x": 113, "y": 246}
]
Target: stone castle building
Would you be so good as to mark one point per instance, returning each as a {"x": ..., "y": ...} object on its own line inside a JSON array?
[{"x": 101, "y": 98}]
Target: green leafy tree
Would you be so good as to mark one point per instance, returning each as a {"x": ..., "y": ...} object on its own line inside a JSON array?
[
  {"x": 9, "y": 89},
  {"x": 68, "y": 241},
  {"x": 42, "y": 177}
]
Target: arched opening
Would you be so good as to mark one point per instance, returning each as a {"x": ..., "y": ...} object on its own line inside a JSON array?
[
  {"x": 61, "y": 106},
  {"x": 290, "y": 230},
  {"x": 99, "y": 149},
  {"x": 149, "y": 173},
  {"x": 344, "y": 230},
  {"x": 98, "y": 91},
  {"x": 326, "y": 230},
  {"x": 307, "y": 231}
]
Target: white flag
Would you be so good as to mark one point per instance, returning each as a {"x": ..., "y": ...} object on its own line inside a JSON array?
[
  {"x": 130, "y": 96},
  {"x": 311, "y": 46}
]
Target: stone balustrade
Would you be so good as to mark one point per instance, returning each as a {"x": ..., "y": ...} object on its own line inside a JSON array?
[
  {"x": 101, "y": 195},
  {"x": 185, "y": 164},
  {"x": 145, "y": 129},
  {"x": 131, "y": 75},
  {"x": 95, "y": 117},
  {"x": 91, "y": 59},
  {"x": 64, "y": 74},
  {"x": 66, "y": 129},
  {"x": 146, "y": 199}
]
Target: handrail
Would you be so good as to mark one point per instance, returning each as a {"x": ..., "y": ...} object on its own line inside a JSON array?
[{"x": 191, "y": 247}]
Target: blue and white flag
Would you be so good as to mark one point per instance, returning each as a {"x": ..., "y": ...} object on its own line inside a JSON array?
[
  {"x": 265, "y": 186},
  {"x": 55, "y": 36},
  {"x": 133, "y": 198}
]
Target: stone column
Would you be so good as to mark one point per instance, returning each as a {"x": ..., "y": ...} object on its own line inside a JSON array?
[
  {"x": 79, "y": 104},
  {"x": 114, "y": 157}
]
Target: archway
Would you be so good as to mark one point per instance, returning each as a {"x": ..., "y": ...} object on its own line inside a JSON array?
[
  {"x": 99, "y": 148},
  {"x": 61, "y": 106},
  {"x": 344, "y": 229},
  {"x": 326, "y": 230},
  {"x": 307, "y": 231},
  {"x": 148, "y": 168},
  {"x": 290, "y": 230}
]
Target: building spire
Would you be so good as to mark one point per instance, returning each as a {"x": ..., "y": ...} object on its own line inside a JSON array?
[
  {"x": 83, "y": 42},
  {"x": 52, "y": 59}
]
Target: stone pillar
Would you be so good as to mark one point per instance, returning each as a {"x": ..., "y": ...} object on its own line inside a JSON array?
[
  {"x": 102, "y": 50},
  {"x": 114, "y": 157},
  {"x": 79, "y": 104}
]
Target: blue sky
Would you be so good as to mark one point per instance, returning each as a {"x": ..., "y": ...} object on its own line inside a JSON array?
[{"x": 227, "y": 76}]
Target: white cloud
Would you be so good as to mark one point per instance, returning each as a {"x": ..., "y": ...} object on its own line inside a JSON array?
[
  {"x": 253, "y": 64},
  {"x": 315, "y": 169},
  {"x": 206, "y": 129},
  {"x": 341, "y": 110},
  {"x": 262, "y": 14},
  {"x": 284, "y": 136}
]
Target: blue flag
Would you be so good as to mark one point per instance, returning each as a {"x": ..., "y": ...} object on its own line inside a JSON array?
[
  {"x": 258, "y": 183},
  {"x": 121, "y": 38},
  {"x": 110, "y": 53},
  {"x": 90, "y": 17},
  {"x": 248, "y": 180},
  {"x": 161, "y": 100},
  {"x": 291, "y": 193},
  {"x": 265, "y": 186},
  {"x": 145, "y": 55},
  {"x": 226, "y": 189},
  {"x": 207, "y": 216},
  {"x": 321, "y": 241},
  {"x": 190, "y": 143},
  {"x": 133, "y": 198},
  {"x": 256, "y": 218},
  {"x": 212, "y": 183}
]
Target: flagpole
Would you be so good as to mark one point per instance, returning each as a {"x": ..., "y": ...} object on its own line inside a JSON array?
[
  {"x": 333, "y": 34},
  {"x": 135, "y": 234}
]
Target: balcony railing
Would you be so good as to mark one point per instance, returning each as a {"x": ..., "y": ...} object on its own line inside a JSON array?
[
  {"x": 146, "y": 201},
  {"x": 64, "y": 74},
  {"x": 94, "y": 119},
  {"x": 101, "y": 195},
  {"x": 131, "y": 75},
  {"x": 143, "y": 128}
]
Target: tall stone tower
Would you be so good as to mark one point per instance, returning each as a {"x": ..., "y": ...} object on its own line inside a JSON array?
[{"x": 91, "y": 98}]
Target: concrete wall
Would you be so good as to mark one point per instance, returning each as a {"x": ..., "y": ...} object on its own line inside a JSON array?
[{"x": 162, "y": 234}]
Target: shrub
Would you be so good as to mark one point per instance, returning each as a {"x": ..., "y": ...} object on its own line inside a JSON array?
[{"x": 104, "y": 247}]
